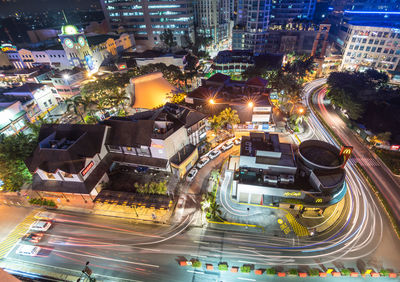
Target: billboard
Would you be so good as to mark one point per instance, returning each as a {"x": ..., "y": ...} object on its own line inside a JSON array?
[{"x": 346, "y": 153}]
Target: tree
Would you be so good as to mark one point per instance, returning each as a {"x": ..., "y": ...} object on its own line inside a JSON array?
[
  {"x": 176, "y": 98},
  {"x": 14, "y": 150},
  {"x": 253, "y": 71},
  {"x": 215, "y": 124},
  {"x": 229, "y": 116},
  {"x": 74, "y": 103},
  {"x": 213, "y": 211},
  {"x": 118, "y": 98},
  {"x": 167, "y": 37},
  {"x": 300, "y": 66}
]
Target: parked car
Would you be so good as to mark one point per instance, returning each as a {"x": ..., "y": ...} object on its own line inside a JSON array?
[
  {"x": 181, "y": 202},
  {"x": 227, "y": 146},
  {"x": 33, "y": 237},
  {"x": 203, "y": 161},
  {"x": 237, "y": 141},
  {"x": 28, "y": 250},
  {"x": 40, "y": 225},
  {"x": 191, "y": 175},
  {"x": 214, "y": 154},
  {"x": 45, "y": 215}
]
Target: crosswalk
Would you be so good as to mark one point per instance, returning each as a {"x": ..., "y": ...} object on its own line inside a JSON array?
[
  {"x": 16, "y": 234},
  {"x": 298, "y": 229},
  {"x": 370, "y": 162}
]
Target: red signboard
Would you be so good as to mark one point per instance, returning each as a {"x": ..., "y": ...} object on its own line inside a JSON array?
[
  {"x": 346, "y": 153},
  {"x": 122, "y": 66},
  {"x": 87, "y": 168},
  {"x": 395, "y": 147}
]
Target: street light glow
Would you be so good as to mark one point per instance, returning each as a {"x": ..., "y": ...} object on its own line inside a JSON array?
[
  {"x": 301, "y": 110},
  {"x": 250, "y": 104},
  {"x": 212, "y": 102},
  {"x": 66, "y": 76}
]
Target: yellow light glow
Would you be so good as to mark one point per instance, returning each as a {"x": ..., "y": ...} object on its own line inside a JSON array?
[
  {"x": 250, "y": 104},
  {"x": 212, "y": 102}
]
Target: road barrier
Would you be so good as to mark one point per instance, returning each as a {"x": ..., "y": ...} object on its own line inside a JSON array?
[{"x": 246, "y": 268}]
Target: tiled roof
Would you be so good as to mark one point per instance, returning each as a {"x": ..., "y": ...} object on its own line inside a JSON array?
[{"x": 219, "y": 77}]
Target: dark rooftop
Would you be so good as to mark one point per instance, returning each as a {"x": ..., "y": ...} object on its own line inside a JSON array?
[
  {"x": 27, "y": 87},
  {"x": 97, "y": 39},
  {"x": 219, "y": 77},
  {"x": 65, "y": 147}
]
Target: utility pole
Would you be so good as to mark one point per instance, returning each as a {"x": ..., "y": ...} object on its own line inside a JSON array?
[{"x": 248, "y": 212}]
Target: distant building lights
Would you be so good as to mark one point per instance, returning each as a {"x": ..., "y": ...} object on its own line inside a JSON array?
[{"x": 371, "y": 12}]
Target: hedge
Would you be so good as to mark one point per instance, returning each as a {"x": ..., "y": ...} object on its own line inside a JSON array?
[
  {"x": 223, "y": 266},
  {"x": 271, "y": 271},
  {"x": 313, "y": 272},
  {"x": 196, "y": 263},
  {"x": 245, "y": 269},
  {"x": 42, "y": 202}
]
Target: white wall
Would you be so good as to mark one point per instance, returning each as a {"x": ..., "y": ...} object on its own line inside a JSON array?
[{"x": 45, "y": 98}]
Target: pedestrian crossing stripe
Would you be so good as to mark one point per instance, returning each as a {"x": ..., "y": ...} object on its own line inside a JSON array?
[
  {"x": 367, "y": 161},
  {"x": 299, "y": 229},
  {"x": 16, "y": 234}
]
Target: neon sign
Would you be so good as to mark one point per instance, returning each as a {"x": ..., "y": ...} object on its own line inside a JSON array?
[
  {"x": 8, "y": 48},
  {"x": 346, "y": 153},
  {"x": 87, "y": 168},
  {"x": 292, "y": 194}
]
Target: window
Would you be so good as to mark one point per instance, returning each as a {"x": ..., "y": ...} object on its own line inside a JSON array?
[
  {"x": 373, "y": 49},
  {"x": 67, "y": 175},
  {"x": 50, "y": 102},
  {"x": 368, "y": 49},
  {"x": 370, "y": 41},
  {"x": 379, "y": 50},
  {"x": 382, "y": 42},
  {"x": 50, "y": 175},
  {"x": 45, "y": 104}
]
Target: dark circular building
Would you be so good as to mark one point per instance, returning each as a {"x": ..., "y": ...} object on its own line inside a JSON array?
[{"x": 322, "y": 164}]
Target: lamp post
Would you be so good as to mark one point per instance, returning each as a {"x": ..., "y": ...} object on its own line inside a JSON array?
[{"x": 247, "y": 223}]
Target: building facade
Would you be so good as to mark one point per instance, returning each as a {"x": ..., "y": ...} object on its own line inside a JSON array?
[
  {"x": 251, "y": 25},
  {"x": 369, "y": 46},
  {"x": 284, "y": 11},
  {"x": 148, "y": 19},
  {"x": 212, "y": 19}
]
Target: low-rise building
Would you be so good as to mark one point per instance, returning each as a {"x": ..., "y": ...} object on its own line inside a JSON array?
[
  {"x": 271, "y": 172},
  {"x": 233, "y": 61},
  {"x": 43, "y": 95},
  {"x": 75, "y": 158},
  {"x": 67, "y": 82},
  {"x": 249, "y": 98},
  {"x": 13, "y": 117}
]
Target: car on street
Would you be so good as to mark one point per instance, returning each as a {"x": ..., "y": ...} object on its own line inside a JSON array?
[
  {"x": 227, "y": 146},
  {"x": 203, "y": 161},
  {"x": 214, "y": 154},
  {"x": 237, "y": 141},
  {"x": 181, "y": 202},
  {"x": 28, "y": 250},
  {"x": 191, "y": 175},
  {"x": 40, "y": 225},
  {"x": 45, "y": 215},
  {"x": 33, "y": 237}
]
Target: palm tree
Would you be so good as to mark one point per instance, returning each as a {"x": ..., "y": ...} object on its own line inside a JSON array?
[
  {"x": 215, "y": 124},
  {"x": 118, "y": 98},
  {"x": 229, "y": 116},
  {"x": 74, "y": 103},
  {"x": 214, "y": 210}
]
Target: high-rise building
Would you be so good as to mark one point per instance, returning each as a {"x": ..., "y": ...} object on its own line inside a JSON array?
[
  {"x": 371, "y": 45},
  {"x": 212, "y": 19},
  {"x": 251, "y": 26},
  {"x": 283, "y": 11},
  {"x": 148, "y": 19}
]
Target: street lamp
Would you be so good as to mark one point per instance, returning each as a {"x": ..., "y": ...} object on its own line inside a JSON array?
[
  {"x": 66, "y": 76},
  {"x": 211, "y": 101},
  {"x": 250, "y": 104},
  {"x": 301, "y": 110}
]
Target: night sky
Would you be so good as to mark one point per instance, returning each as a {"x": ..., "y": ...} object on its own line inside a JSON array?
[{"x": 11, "y": 6}]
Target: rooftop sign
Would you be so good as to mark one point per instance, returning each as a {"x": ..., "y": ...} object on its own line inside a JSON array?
[{"x": 8, "y": 48}]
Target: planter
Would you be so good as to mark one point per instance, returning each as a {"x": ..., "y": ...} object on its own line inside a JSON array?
[
  {"x": 354, "y": 274},
  {"x": 209, "y": 267},
  {"x": 234, "y": 269},
  {"x": 336, "y": 274},
  {"x": 281, "y": 274},
  {"x": 322, "y": 274},
  {"x": 375, "y": 275},
  {"x": 182, "y": 263},
  {"x": 302, "y": 274},
  {"x": 258, "y": 271},
  {"x": 392, "y": 275}
]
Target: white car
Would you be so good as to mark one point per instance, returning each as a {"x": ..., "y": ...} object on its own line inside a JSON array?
[
  {"x": 203, "y": 162},
  {"x": 28, "y": 250},
  {"x": 227, "y": 146},
  {"x": 40, "y": 225},
  {"x": 237, "y": 141},
  {"x": 45, "y": 215},
  {"x": 214, "y": 154},
  {"x": 191, "y": 175}
]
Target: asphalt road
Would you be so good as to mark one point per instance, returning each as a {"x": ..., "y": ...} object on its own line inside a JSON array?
[
  {"x": 120, "y": 249},
  {"x": 387, "y": 183}
]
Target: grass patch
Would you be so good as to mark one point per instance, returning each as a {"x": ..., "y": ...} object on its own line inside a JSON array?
[{"x": 390, "y": 158}]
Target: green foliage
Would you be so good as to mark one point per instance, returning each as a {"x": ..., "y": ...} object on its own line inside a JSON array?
[
  {"x": 42, "y": 202},
  {"x": 89, "y": 119},
  {"x": 390, "y": 158},
  {"x": 14, "y": 150},
  {"x": 384, "y": 272},
  {"x": 158, "y": 188},
  {"x": 228, "y": 116},
  {"x": 196, "y": 263},
  {"x": 223, "y": 267},
  {"x": 313, "y": 272},
  {"x": 345, "y": 272},
  {"x": 271, "y": 271},
  {"x": 300, "y": 66},
  {"x": 293, "y": 271},
  {"x": 245, "y": 269},
  {"x": 167, "y": 37},
  {"x": 177, "y": 98}
]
